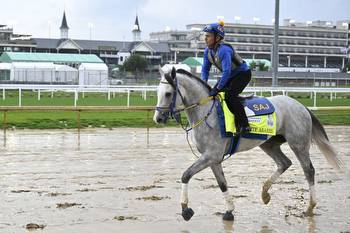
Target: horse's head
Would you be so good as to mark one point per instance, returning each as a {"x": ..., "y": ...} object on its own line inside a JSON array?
[{"x": 166, "y": 96}]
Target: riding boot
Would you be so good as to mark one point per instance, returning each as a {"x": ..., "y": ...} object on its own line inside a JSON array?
[{"x": 241, "y": 120}]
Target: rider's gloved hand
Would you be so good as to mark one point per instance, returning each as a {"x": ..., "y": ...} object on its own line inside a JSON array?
[{"x": 214, "y": 91}]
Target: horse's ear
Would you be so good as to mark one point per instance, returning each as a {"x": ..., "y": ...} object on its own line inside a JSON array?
[
  {"x": 161, "y": 71},
  {"x": 173, "y": 73},
  {"x": 170, "y": 80}
]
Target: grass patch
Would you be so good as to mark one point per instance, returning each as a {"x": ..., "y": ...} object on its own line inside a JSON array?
[
  {"x": 333, "y": 117},
  {"x": 29, "y": 98},
  {"x": 68, "y": 120},
  {"x": 138, "y": 119}
]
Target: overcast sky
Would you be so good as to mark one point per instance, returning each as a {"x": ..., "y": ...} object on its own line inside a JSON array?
[{"x": 114, "y": 19}]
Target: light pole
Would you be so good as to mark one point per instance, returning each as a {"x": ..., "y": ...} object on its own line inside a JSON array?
[
  {"x": 237, "y": 19},
  {"x": 255, "y": 19},
  {"x": 275, "y": 58},
  {"x": 90, "y": 25},
  {"x": 346, "y": 26},
  {"x": 196, "y": 36},
  {"x": 175, "y": 56},
  {"x": 49, "y": 26}
]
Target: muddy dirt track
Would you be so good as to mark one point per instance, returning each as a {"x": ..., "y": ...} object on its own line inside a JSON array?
[{"x": 112, "y": 181}]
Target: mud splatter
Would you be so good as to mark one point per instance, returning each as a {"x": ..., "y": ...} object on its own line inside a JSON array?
[
  {"x": 324, "y": 182},
  {"x": 66, "y": 205},
  {"x": 199, "y": 179},
  {"x": 106, "y": 188},
  {"x": 34, "y": 226},
  {"x": 152, "y": 198},
  {"x": 142, "y": 188},
  {"x": 86, "y": 190},
  {"x": 58, "y": 194},
  {"x": 212, "y": 186},
  {"x": 21, "y": 191},
  {"x": 239, "y": 196},
  {"x": 122, "y": 218},
  {"x": 218, "y": 214},
  {"x": 303, "y": 190},
  {"x": 286, "y": 182},
  {"x": 158, "y": 181}
]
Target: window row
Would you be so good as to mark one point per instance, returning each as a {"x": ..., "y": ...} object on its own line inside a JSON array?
[{"x": 284, "y": 32}]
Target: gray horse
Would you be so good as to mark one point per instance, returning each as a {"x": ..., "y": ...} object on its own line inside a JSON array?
[{"x": 296, "y": 125}]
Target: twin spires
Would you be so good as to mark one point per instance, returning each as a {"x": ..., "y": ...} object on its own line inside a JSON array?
[
  {"x": 64, "y": 27},
  {"x": 136, "y": 32},
  {"x": 136, "y": 29}
]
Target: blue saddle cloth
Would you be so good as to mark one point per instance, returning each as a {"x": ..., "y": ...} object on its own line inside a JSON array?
[{"x": 258, "y": 106}]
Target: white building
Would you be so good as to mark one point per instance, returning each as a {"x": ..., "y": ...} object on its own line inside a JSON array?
[
  {"x": 93, "y": 74},
  {"x": 38, "y": 72}
]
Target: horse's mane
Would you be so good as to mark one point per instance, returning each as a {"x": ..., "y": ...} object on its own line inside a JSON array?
[{"x": 189, "y": 74}]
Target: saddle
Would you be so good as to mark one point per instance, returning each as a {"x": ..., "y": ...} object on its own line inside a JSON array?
[{"x": 242, "y": 97}]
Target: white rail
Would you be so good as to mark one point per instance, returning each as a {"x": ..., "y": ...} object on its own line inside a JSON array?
[{"x": 112, "y": 89}]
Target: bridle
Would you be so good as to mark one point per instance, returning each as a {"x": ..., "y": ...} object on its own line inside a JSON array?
[
  {"x": 175, "y": 113},
  {"x": 171, "y": 109}
]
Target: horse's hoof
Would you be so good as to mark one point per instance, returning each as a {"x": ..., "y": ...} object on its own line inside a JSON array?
[
  {"x": 228, "y": 216},
  {"x": 187, "y": 213},
  {"x": 266, "y": 197}
]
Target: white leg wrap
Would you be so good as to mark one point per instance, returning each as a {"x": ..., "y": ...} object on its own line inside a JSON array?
[
  {"x": 313, "y": 193},
  {"x": 275, "y": 176},
  {"x": 228, "y": 200},
  {"x": 184, "y": 194},
  {"x": 271, "y": 180}
]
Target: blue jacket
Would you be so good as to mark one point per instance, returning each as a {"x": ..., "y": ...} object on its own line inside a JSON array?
[{"x": 225, "y": 54}]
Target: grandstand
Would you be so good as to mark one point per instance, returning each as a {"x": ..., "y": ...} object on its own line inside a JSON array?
[{"x": 314, "y": 44}]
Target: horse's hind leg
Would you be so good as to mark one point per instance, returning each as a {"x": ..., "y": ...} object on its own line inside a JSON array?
[
  {"x": 272, "y": 147},
  {"x": 220, "y": 178},
  {"x": 302, "y": 153}
]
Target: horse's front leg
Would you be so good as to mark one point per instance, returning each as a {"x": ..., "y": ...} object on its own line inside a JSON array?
[
  {"x": 202, "y": 163},
  {"x": 220, "y": 178}
]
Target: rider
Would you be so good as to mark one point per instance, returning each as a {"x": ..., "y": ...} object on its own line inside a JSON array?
[{"x": 235, "y": 73}]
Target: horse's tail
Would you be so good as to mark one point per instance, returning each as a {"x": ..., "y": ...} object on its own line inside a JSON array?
[{"x": 319, "y": 136}]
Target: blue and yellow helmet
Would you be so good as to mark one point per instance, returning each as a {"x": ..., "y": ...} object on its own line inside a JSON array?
[{"x": 216, "y": 28}]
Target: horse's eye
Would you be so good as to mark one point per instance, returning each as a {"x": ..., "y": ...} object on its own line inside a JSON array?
[{"x": 168, "y": 94}]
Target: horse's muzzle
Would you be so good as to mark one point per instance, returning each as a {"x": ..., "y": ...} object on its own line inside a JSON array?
[{"x": 160, "y": 118}]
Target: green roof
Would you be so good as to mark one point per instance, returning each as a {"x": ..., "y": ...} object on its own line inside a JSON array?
[
  {"x": 257, "y": 61},
  {"x": 49, "y": 57},
  {"x": 193, "y": 61}
]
